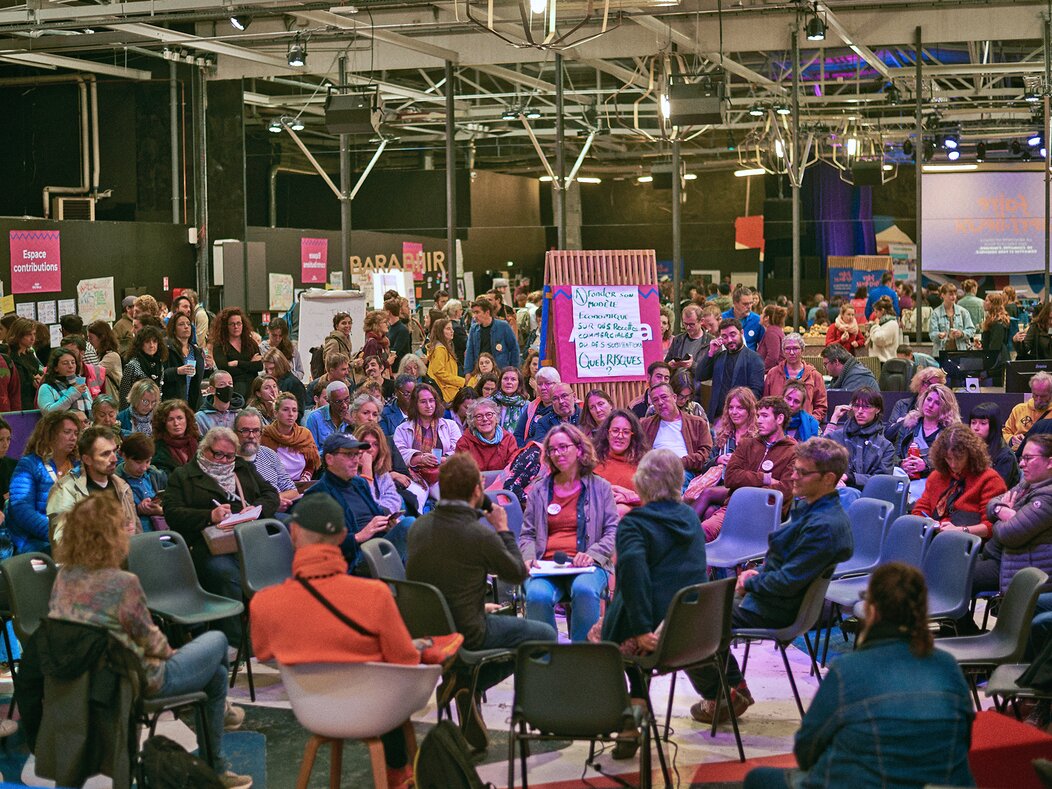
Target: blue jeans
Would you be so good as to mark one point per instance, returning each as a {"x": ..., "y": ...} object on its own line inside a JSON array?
[
  {"x": 507, "y": 632},
  {"x": 585, "y": 591},
  {"x": 196, "y": 666},
  {"x": 221, "y": 575}
]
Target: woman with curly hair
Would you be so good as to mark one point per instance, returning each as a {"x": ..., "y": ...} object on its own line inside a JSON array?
[
  {"x": 961, "y": 484},
  {"x": 921, "y": 427},
  {"x": 234, "y": 349},
  {"x": 175, "y": 435},
  {"x": 619, "y": 446},
  {"x": 530, "y": 365},
  {"x": 146, "y": 359}
]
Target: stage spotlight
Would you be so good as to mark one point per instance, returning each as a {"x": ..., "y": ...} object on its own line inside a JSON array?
[
  {"x": 297, "y": 54},
  {"x": 294, "y": 123},
  {"x": 907, "y": 148},
  {"x": 509, "y": 114},
  {"x": 949, "y": 142},
  {"x": 953, "y": 155},
  {"x": 240, "y": 21},
  {"x": 816, "y": 28},
  {"x": 980, "y": 152},
  {"x": 1034, "y": 140},
  {"x": 757, "y": 111},
  {"x": 1026, "y": 156},
  {"x": 1016, "y": 148},
  {"x": 274, "y": 127}
]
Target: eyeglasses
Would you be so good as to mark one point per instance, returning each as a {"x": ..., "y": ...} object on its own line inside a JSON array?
[
  {"x": 485, "y": 415},
  {"x": 796, "y": 472},
  {"x": 250, "y": 431},
  {"x": 147, "y": 402},
  {"x": 223, "y": 457},
  {"x": 622, "y": 432},
  {"x": 1028, "y": 458},
  {"x": 559, "y": 450}
]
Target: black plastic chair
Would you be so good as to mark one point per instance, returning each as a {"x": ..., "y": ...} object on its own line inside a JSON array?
[
  {"x": 382, "y": 559},
  {"x": 895, "y": 375},
  {"x": 806, "y": 618},
  {"x": 28, "y": 579},
  {"x": 572, "y": 692},
  {"x": 265, "y": 550},
  {"x": 696, "y": 633}
]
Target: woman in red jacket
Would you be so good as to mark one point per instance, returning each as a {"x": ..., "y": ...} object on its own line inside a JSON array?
[
  {"x": 485, "y": 439},
  {"x": 846, "y": 332},
  {"x": 962, "y": 482}
]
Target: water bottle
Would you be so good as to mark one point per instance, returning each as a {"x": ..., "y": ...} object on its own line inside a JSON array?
[{"x": 913, "y": 452}]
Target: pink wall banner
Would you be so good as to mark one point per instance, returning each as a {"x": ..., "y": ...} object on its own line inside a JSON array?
[
  {"x": 413, "y": 258},
  {"x": 35, "y": 263},
  {"x": 314, "y": 260},
  {"x": 610, "y": 332}
]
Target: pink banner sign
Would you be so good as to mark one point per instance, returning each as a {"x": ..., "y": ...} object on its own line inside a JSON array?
[
  {"x": 413, "y": 258},
  {"x": 35, "y": 263},
  {"x": 599, "y": 336},
  {"x": 314, "y": 260}
]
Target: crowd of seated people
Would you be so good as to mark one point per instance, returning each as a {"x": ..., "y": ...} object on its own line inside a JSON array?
[{"x": 192, "y": 422}]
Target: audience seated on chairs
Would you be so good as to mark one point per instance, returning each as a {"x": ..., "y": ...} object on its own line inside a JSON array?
[
  {"x": 660, "y": 550},
  {"x": 331, "y": 417},
  {"x": 92, "y": 589},
  {"x": 249, "y": 429},
  {"x": 619, "y": 446},
  {"x": 511, "y": 399},
  {"x": 369, "y": 627},
  {"x": 388, "y": 487},
  {"x": 817, "y": 537},
  {"x": 920, "y": 428},
  {"x": 291, "y": 442},
  {"x": 707, "y": 491},
  {"x": 1028, "y": 413},
  {"x": 571, "y": 516},
  {"x": 347, "y": 479},
  {"x": 426, "y": 439},
  {"x": 985, "y": 421},
  {"x": 137, "y": 417},
  {"x": 595, "y": 409},
  {"x": 658, "y": 373},
  {"x": 564, "y": 411},
  {"x": 961, "y": 484},
  {"x": 794, "y": 368},
  {"x": 858, "y": 428},
  {"x": 848, "y": 372},
  {"x": 144, "y": 479},
  {"x": 175, "y": 435},
  {"x": 730, "y": 361},
  {"x": 485, "y": 438},
  {"x": 452, "y": 548},
  {"x": 547, "y": 378},
  {"x": 208, "y": 489},
  {"x": 219, "y": 408},
  {"x": 50, "y": 454},
  {"x": 670, "y": 428},
  {"x": 923, "y": 380},
  {"x": 894, "y": 713},
  {"x": 802, "y": 425},
  {"x": 98, "y": 462}
]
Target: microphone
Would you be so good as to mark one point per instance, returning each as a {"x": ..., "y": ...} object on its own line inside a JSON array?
[{"x": 560, "y": 557}]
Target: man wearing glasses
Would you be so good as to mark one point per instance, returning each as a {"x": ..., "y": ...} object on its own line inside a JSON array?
[
  {"x": 686, "y": 348},
  {"x": 564, "y": 409},
  {"x": 817, "y": 537},
  {"x": 331, "y": 417},
  {"x": 671, "y": 428},
  {"x": 249, "y": 428}
]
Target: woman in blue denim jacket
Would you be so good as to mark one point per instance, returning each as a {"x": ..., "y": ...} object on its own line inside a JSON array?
[
  {"x": 950, "y": 324},
  {"x": 895, "y": 713}
]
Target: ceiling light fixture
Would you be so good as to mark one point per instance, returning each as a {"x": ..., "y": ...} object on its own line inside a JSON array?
[
  {"x": 666, "y": 106},
  {"x": 950, "y": 142},
  {"x": 949, "y": 168},
  {"x": 816, "y": 28},
  {"x": 690, "y": 177},
  {"x": 294, "y": 123},
  {"x": 757, "y": 111},
  {"x": 240, "y": 21},
  {"x": 1034, "y": 140},
  {"x": 782, "y": 109},
  {"x": 274, "y": 127},
  {"x": 533, "y": 114},
  {"x": 509, "y": 114},
  {"x": 749, "y": 171},
  {"x": 297, "y": 56},
  {"x": 645, "y": 179},
  {"x": 953, "y": 155},
  {"x": 589, "y": 179}
]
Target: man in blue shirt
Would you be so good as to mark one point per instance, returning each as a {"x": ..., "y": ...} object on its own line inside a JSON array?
[
  {"x": 396, "y": 411},
  {"x": 331, "y": 417},
  {"x": 883, "y": 289},
  {"x": 817, "y": 537},
  {"x": 488, "y": 334},
  {"x": 752, "y": 331}
]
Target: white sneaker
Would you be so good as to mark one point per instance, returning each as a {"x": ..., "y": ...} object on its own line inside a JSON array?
[
  {"x": 232, "y": 780},
  {"x": 233, "y": 717}
]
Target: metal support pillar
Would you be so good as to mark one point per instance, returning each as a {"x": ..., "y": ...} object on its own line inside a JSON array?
[
  {"x": 559, "y": 184},
  {"x": 1045, "y": 142},
  {"x": 451, "y": 185},
  {"x": 677, "y": 252},
  {"x": 918, "y": 169},
  {"x": 173, "y": 114},
  {"x": 204, "y": 241},
  {"x": 798, "y": 166},
  {"x": 345, "y": 191}
]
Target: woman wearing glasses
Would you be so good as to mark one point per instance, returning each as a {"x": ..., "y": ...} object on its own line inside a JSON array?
[
  {"x": 619, "y": 446},
  {"x": 485, "y": 439},
  {"x": 795, "y": 368},
  {"x": 570, "y": 517},
  {"x": 143, "y": 398}
]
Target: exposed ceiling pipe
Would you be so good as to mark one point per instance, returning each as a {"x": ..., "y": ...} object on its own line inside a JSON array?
[
  {"x": 85, "y": 185},
  {"x": 281, "y": 168}
]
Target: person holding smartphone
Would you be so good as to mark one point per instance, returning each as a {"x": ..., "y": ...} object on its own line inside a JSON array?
[{"x": 424, "y": 432}]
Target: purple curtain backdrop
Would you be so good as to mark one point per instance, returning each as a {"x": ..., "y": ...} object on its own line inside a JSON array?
[{"x": 842, "y": 213}]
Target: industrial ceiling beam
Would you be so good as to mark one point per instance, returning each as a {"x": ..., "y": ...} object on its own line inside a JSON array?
[
  {"x": 329, "y": 19},
  {"x": 75, "y": 64},
  {"x": 834, "y": 23}
]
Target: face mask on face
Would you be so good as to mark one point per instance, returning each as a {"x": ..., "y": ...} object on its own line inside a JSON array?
[{"x": 224, "y": 393}]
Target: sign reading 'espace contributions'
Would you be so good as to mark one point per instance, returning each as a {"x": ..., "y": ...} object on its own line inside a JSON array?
[{"x": 607, "y": 332}]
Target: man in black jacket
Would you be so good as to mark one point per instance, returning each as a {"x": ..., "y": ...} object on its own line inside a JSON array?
[
  {"x": 397, "y": 330},
  {"x": 729, "y": 363}
]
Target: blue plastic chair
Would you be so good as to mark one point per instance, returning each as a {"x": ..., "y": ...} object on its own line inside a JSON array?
[
  {"x": 752, "y": 514},
  {"x": 510, "y": 502},
  {"x": 890, "y": 488},
  {"x": 869, "y": 524}
]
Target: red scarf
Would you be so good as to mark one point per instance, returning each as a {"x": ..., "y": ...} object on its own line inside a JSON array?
[{"x": 182, "y": 448}]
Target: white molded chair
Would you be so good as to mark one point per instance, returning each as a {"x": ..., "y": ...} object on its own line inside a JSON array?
[{"x": 356, "y": 701}]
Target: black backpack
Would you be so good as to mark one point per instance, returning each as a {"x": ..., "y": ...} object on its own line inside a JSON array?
[
  {"x": 443, "y": 760},
  {"x": 165, "y": 764},
  {"x": 317, "y": 361}
]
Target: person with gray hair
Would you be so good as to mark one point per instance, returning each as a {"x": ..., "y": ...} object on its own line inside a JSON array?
[
  {"x": 249, "y": 428},
  {"x": 1028, "y": 413},
  {"x": 547, "y": 379},
  {"x": 331, "y": 417},
  {"x": 219, "y": 408},
  {"x": 660, "y": 550},
  {"x": 485, "y": 438},
  {"x": 454, "y": 310},
  {"x": 794, "y": 368},
  {"x": 204, "y": 492}
]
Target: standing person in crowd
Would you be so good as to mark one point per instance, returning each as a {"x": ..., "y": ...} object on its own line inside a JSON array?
[
  {"x": 845, "y": 331},
  {"x": 293, "y": 443},
  {"x": 219, "y": 408},
  {"x": 748, "y": 321},
  {"x": 920, "y": 429},
  {"x": 597, "y": 407},
  {"x": 905, "y": 293},
  {"x": 565, "y": 411},
  {"x": 859, "y": 429},
  {"x": 619, "y": 446},
  {"x": 996, "y": 339},
  {"x": 884, "y": 290},
  {"x": 442, "y": 359},
  {"x": 896, "y": 712},
  {"x": 276, "y": 364},
  {"x": 263, "y": 395},
  {"x": 730, "y": 363},
  {"x": 454, "y": 310},
  {"x": 848, "y": 372},
  {"x": 145, "y": 481},
  {"x": 485, "y": 438},
  {"x": 490, "y": 335},
  {"x": 1036, "y": 341},
  {"x": 858, "y": 304},
  {"x": 339, "y": 339},
  {"x": 185, "y": 366},
  {"x": 485, "y": 365},
  {"x": 426, "y": 439},
  {"x": 961, "y": 484},
  {"x": 770, "y": 347},
  {"x": 50, "y": 454},
  {"x": 102, "y": 339},
  {"x": 686, "y": 349},
  {"x": 985, "y": 421},
  {"x": 61, "y": 389},
  {"x": 92, "y": 589},
  {"x": 570, "y": 511},
  {"x": 278, "y": 339},
  {"x": 802, "y": 425},
  {"x": 795, "y": 368},
  {"x": 658, "y": 373},
  {"x": 399, "y": 340},
  {"x": 175, "y": 435},
  {"x": 924, "y": 378},
  {"x": 21, "y": 338},
  {"x": 123, "y": 330},
  {"x": 142, "y": 401},
  {"x": 530, "y": 366},
  {"x": 7, "y": 463},
  {"x": 376, "y": 341},
  {"x": 950, "y": 327},
  {"x": 817, "y": 537},
  {"x": 147, "y": 358},
  {"x": 972, "y": 303},
  {"x": 1028, "y": 413},
  {"x": 885, "y": 335},
  {"x": 1011, "y": 301},
  {"x": 248, "y": 425},
  {"x": 669, "y": 428},
  {"x": 235, "y": 350},
  {"x": 510, "y": 398}
]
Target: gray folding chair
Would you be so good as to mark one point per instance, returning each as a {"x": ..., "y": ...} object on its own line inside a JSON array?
[
  {"x": 869, "y": 523},
  {"x": 888, "y": 487},
  {"x": 752, "y": 514},
  {"x": 510, "y": 502},
  {"x": 382, "y": 559},
  {"x": 948, "y": 567}
]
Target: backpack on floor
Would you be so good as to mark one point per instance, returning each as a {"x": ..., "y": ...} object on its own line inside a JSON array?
[
  {"x": 165, "y": 764},
  {"x": 443, "y": 760}
]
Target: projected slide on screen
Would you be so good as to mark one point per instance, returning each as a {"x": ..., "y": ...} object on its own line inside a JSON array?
[{"x": 983, "y": 222}]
